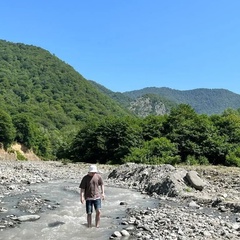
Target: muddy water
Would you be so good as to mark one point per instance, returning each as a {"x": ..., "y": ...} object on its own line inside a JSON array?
[{"x": 68, "y": 221}]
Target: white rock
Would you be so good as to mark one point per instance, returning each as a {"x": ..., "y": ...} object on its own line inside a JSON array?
[
  {"x": 117, "y": 234},
  {"x": 26, "y": 218},
  {"x": 125, "y": 232}
]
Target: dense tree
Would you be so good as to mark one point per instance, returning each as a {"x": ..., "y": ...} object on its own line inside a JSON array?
[
  {"x": 195, "y": 135},
  {"x": 106, "y": 141},
  {"x": 42, "y": 145},
  {"x": 181, "y": 136},
  {"x": 233, "y": 157},
  {"x": 181, "y": 128},
  {"x": 156, "y": 151},
  {"x": 229, "y": 126},
  {"x": 25, "y": 129},
  {"x": 84, "y": 147},
  {"x": 31, "y": 135},
  {"x": 152, "y": 127},
  {"x": 7, "y": 130}
]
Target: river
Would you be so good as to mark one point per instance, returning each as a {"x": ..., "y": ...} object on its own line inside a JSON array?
[{"x": 68, "y": 221}]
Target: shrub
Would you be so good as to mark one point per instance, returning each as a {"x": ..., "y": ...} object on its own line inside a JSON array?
[
  {"x": 155, "y": 151},
  {"x": 20, "y": 156},
  {"x": 233, "y": 157}
]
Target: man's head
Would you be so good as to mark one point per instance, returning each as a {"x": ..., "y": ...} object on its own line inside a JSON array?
[{"x": 92, "y": 170}]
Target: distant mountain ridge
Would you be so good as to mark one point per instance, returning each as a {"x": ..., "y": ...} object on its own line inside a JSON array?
[{"x": 202, "y": 100}]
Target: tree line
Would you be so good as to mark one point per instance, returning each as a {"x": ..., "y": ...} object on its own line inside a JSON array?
[{"x": 182, "y": 136}]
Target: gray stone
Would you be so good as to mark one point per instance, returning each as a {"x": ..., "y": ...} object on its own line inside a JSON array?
[
  {"x": 193, "y": 204},
  {"x": 117, "y": 234},
  {"x": 26, "y": 218},
  {"x": 194, "y": 180},
  {"x": 125, "y": 233}
]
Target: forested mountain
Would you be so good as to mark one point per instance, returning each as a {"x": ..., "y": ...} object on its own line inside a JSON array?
[
  {"x": 121, "y": 98},
  {"x": 208, "y": 101},
  {"x": 142, "y": 105},
  {"x": 55, "y": 97},
  {"x": 45, "y": 105},
  {"x": 202, "y": 100}
]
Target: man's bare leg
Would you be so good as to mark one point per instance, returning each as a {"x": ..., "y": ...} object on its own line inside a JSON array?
[
  {"x": 89, "y": 220},
  {"x": 97, "y": 218}
]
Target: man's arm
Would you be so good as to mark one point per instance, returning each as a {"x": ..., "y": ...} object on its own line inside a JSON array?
[
  {"x": 103, "y": 193},
  {"x": 82, "y": 197}
]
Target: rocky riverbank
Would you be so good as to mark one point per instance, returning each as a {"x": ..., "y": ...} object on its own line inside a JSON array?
[
  {"x": 200, "y": 205},
  {"x": 184, "y": 211}
]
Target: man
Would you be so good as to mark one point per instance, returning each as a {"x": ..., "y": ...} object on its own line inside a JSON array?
[{"x": 92, "y": 192}]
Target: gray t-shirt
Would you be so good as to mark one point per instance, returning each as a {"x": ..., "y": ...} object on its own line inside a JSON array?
[{"x": 91, "y": 184}]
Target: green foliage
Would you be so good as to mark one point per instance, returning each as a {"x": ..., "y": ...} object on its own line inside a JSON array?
[
  {"x": 182, "y": 127},
  {"x": 233, "y": 157},
  {"x": 116, "y": 96},
  {"x": 229, "y": 125},
  {"x": 38, "y": 90},
  {"x": 193, "y": 160},
  {"x": 106, "y": 141},
  {"x": 25, "y": 129},
  {"x": 155, "y": 151},
  {"x": 152, "y": 127},
  {"x": 7, "y": 131},
  {"x": 181, "y": 137},
  {"x": 32, "y": 136},
  {"x": 20, "y": 156},
  {"x": 42, "y": 145}
]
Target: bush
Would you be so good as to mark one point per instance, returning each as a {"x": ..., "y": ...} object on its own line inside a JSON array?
[
  {"x": 233, "y": 157},
  {"x": 191, "y": 160},
  {"x": 155, "y": 151},
  {"x": 20, "y": 156}
]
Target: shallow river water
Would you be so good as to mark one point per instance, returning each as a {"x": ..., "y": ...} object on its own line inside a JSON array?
[{"x": 68, "y": 221}]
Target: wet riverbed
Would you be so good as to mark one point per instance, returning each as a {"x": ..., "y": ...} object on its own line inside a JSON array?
[{"x": 68, "y": 220}]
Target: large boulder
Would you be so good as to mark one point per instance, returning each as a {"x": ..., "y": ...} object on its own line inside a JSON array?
[{"x": 195, "y": 181}]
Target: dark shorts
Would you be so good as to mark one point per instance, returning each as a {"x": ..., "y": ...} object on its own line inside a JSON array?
[{"x": 93, "y": 203}]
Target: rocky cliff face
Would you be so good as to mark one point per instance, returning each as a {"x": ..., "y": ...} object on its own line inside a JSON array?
[{"x": 143, "y": 107}]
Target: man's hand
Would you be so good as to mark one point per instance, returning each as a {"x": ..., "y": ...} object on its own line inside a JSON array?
[
  {"x": 82, "y": 196},
  {"x": 82, "y": 200},
  {"x": 103, "y": 196}
]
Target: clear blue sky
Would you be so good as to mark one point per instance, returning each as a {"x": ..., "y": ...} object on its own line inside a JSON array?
[{"x": 127, "y": 45}]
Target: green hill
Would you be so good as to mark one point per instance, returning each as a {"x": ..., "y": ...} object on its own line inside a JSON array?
[
  {"x": 58, "y": 99},
  {"x": 118, "y": 97}
]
